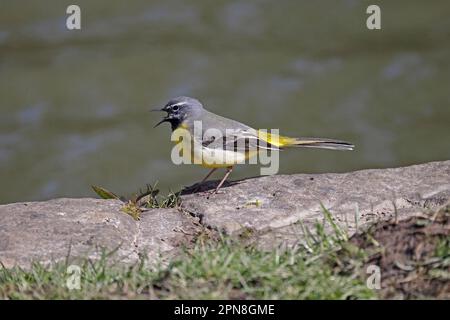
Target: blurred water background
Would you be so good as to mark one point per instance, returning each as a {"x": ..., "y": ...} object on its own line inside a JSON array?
[{"x": 74, "y": 104}]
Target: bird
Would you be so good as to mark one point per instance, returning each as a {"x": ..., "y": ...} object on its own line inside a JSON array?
[{"x": 223, "y": 143}]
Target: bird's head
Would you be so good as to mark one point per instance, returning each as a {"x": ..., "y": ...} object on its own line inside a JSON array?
[{"x": 179, "y": 110}]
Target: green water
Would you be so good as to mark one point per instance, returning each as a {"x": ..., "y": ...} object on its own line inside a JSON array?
[{"x": 74, "y": 104}]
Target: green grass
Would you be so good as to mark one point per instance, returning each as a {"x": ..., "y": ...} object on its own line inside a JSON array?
[
  {"x": 223, "y": 268},
  {"x": 227, "y": 270},
  {"x": 220, "y": 270}
]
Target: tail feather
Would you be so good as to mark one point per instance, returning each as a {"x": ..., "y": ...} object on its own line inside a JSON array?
[
  {"x": 319, "y": 143},
  {"x": 283, "y": 142}
]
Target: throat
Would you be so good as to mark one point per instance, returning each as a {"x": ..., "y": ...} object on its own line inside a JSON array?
[
  {"x": 178, "y": 125},
  {"x": 175, "y": 123}
]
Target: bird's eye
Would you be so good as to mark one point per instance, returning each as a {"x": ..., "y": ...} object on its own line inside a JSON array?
[{"x": 175, "y": 108}]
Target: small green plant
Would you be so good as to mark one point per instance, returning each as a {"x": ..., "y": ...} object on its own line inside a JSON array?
[
  {"x": 151, "y": 198},
  {"x": 132, "y": 209},
  {"x": 148, "y": 198},
  {"x": 104, "y": 194},
  {"x": 443, "y": 249},
  {"x": 319, "y": 240}
]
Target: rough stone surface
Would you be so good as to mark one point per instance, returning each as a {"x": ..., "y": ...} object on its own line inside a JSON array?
[
  {"x": 163, "y": 230},
  {"x": 46, "y": 231},
  {"x": 273, "y": 206}
]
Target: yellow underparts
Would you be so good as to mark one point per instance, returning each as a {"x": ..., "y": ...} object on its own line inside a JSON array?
[{"x": 208, "y": 157}]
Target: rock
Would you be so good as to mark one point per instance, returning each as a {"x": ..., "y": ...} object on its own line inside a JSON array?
[
  {"x": 163, "y": 230},
  {"x": 273, "y": 206},
  {"x": 47, "y": 231}
]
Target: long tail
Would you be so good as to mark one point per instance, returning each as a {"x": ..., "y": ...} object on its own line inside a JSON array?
[
  {"x": 323, "y": 143},
  {"x": 318, "y": 143}
]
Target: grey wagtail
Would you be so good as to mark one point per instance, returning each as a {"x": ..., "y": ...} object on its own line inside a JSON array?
[{"x": 234, "y": 143}]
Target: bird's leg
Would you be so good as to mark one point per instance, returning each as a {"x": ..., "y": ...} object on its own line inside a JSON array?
[
  {"x": 204, "y": 179},
  {"x": 229, "y": 169}
]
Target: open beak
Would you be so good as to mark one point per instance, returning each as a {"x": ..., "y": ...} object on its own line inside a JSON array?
[{"x": 165, "y": 119}]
